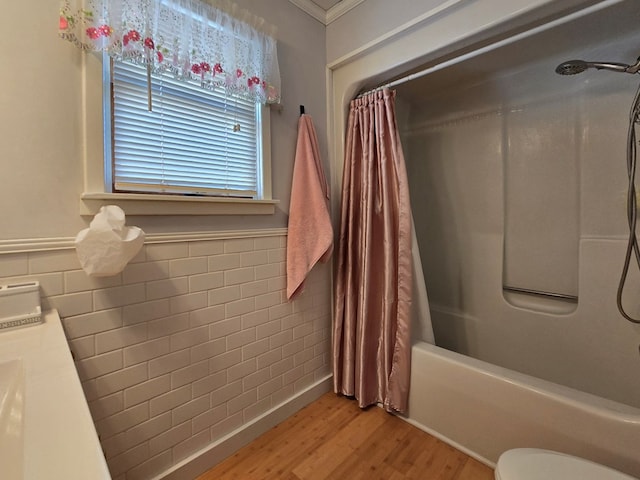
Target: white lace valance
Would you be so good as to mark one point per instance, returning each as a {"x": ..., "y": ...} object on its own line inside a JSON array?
[{"x": 214, "y": 45}]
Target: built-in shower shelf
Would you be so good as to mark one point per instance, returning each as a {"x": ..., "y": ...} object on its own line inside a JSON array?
[
  {"x": 555, "y": 296},
  {"x": 540, "y": 301}
]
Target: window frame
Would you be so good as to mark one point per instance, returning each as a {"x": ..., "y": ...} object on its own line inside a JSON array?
[{"x": 96, "y": 192}]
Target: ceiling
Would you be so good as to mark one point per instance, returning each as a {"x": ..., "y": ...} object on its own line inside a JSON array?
[{"x": 326, "y": 11}]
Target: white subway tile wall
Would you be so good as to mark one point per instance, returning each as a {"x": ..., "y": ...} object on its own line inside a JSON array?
[{"x": 192, "y": 340}]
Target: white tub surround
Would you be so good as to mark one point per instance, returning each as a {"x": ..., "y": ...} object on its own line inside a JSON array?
[
  {"x": 485, "y": 410},
  {"x": 49, "y": 431}
]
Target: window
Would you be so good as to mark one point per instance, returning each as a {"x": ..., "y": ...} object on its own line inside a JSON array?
[
  {"x": 200, "y": 150},
  {"x": 193, "y": 141}
]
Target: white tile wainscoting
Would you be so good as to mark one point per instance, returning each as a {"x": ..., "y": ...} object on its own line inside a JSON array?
[{"x": 192, "y": 341}]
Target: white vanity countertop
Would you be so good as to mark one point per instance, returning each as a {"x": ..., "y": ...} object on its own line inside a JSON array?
[{"x": 60, "y": 440}]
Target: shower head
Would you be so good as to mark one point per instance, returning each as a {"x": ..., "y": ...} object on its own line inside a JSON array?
[{"x": 573, "y": 67}]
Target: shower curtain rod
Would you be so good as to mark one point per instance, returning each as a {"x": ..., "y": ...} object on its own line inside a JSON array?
[
  {"x": 493, "y": 46},
  {"x": 399, "y": 81}
]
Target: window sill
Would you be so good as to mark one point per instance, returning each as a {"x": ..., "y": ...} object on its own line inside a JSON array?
[{"x": 142, "y": 204}]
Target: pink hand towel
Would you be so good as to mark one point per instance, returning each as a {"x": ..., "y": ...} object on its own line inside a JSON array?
[{"x": 310, "y": 237}]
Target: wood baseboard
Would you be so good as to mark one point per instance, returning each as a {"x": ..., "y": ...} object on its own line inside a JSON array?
[{"x": 213, "y": 454}]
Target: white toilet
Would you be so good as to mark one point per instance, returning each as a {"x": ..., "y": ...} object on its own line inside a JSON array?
[{"x": 536, "y": 464}]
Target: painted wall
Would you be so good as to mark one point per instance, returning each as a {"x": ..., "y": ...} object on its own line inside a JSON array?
[
  {"x": 42, "y": 127},
  {"x": 370, "y": 20},
  {"x": 373, "y": 20}
]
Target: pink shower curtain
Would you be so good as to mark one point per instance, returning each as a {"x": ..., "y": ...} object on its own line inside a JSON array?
[{"x": 371, "y": 329}]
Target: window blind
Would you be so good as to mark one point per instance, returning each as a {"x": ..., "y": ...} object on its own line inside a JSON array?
[{"x": 194, "y": 141}]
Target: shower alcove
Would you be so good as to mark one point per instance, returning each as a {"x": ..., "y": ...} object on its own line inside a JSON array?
[{"x": 520, "y": 178}]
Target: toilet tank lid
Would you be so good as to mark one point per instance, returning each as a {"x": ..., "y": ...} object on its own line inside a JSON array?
[{"x": 537, "y": 464}]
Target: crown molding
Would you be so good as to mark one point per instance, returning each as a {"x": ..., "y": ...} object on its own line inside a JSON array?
[
  {"x": 312, "y": 9},
  {"x": 326, "y": 16},
  {"x": 340, "y": 9}
]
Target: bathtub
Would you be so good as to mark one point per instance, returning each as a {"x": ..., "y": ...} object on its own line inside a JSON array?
[{"x": 483, "y": 410}]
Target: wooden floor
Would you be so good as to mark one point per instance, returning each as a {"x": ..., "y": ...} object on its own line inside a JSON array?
[{"x": 334, "y": 439}]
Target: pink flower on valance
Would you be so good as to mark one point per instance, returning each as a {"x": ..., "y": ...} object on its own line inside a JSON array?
[
  {"x": 133, "y": 35},
  {"x": 192, "y": 40},
  {"x": 93, "y": 33}
]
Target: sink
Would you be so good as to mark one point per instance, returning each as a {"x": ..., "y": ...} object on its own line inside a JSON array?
[{"x": 11, "y": 418}]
